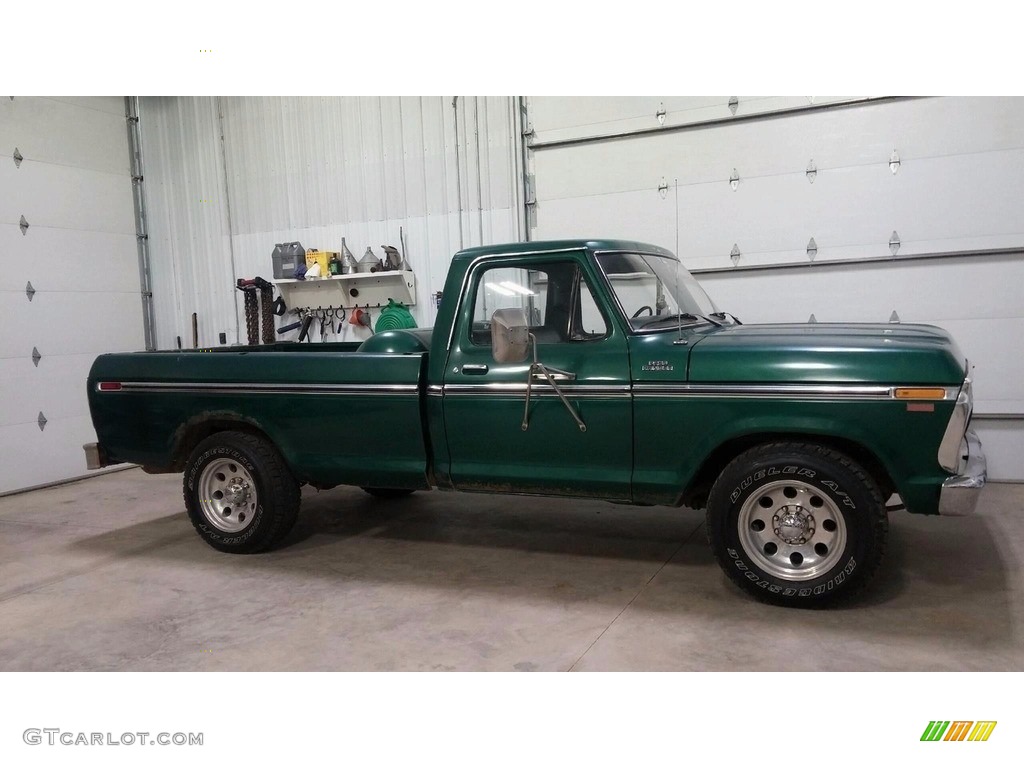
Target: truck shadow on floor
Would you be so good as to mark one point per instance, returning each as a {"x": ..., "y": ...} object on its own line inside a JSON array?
[{"x": 943, "y": 578}]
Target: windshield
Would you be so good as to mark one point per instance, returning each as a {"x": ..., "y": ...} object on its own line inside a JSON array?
[{"x": 654, "y": 289}]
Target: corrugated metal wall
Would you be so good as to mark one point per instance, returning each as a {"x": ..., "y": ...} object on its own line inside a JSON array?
[{"x": 227, "y": 178}]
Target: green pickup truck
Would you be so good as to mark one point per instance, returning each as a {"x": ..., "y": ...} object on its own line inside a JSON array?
[{"x": 579, "y": 368}]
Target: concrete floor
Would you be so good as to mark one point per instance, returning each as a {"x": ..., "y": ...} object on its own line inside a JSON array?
[{"x": 107, "y": 574}]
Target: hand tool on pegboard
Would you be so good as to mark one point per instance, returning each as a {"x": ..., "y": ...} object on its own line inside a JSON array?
[{"x": 307, "y": 320}]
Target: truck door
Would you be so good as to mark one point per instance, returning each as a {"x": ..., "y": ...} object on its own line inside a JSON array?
[{"x": 484, "y": 401}]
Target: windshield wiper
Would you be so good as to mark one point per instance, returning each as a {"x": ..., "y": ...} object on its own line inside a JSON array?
[{"x": 675, "y": 318}]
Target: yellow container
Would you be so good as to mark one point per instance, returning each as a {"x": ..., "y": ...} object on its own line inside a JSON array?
[{"x": 323, "y": 258}]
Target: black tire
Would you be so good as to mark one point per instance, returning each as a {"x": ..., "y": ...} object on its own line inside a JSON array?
[
  {"x": 389, "y": 493},
  {"x": 276, "y": 504},
  {"x": 796, "y": 500}
]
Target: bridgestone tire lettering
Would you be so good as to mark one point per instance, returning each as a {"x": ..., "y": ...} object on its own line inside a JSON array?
[
  {"x": 853, "y": 492},
  {"x": 277, "y": 492}
]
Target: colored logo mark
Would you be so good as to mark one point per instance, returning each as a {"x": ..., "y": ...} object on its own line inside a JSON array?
[{"x": 958, "y": 730}]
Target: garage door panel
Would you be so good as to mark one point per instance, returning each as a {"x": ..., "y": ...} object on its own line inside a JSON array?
[
  {"x": 996, "y": 374},
  {"x": 561, "y": 118},
  {"x": 934, "y": 206},
  {"x": 966, "y": 288},
  {"x": 56, "y": 387},
  {"x": 31, "y": 456},
  {"x": 67, "y": 198},
  {"x": 71, "y": 323},
  {"x": 977, "y": 301},
  {"x": 111, "y": 104},
  {"x": 610, "y": 216},
  {"x": 1004, "y": 448},
  {"x": 38, "y": 127},
  {"x": 68, "y": 260},
  {"x": 835, "y": 139}
]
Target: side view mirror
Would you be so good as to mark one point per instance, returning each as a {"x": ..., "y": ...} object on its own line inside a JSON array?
[{"x": 510, "y": 335}]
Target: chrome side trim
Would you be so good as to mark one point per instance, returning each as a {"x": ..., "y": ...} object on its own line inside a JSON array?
[
  {"x": 519, "y": 390},
  {"x": 220, "y": 388},
  {"x": 779, "y": 391}
]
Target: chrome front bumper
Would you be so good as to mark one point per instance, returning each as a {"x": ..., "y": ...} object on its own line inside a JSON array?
[{"x": 960, "y": 493}]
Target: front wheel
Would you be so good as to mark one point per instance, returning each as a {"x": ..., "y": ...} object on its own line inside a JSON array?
[
  {"x": 797, "y": 524},
  {"x": 239, "y": 493}
]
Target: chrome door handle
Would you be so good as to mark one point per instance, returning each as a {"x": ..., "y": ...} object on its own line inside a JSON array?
[
  {"x": 555, "y": 376},
  {"x": 475, "y": 369}
]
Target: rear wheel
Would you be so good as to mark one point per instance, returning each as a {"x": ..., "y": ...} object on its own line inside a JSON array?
[
  {"x": 239, "y": 493},
  {"x": 797, "y": 523}
]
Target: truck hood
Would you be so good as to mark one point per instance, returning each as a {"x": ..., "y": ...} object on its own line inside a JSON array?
[{"x": 889, "y": 353}]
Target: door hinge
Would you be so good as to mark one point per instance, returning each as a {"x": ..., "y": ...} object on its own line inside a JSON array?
[{"x": 894, "y": 162}]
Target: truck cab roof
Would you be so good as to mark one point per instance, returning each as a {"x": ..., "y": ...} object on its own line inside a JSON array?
[{"x": 554, "y": 246}]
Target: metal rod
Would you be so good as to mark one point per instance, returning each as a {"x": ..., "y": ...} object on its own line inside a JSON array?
[
  {"x": 195, "y": 330},
  {"x": 458, "y": 167},
  {"x": 131, "y": 108},
  {"x": 998, "y": 416},
  {"x": 524, "y": 144},
  {"x": 720, "y": 121},
  {"x": 999, "y": 252},
  {"x": 479, "y": 170},
  {"x": 227, "y": 208},
  {"x": 515, "y": 173}
]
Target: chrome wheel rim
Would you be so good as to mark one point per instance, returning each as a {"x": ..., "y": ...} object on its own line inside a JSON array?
[
  {"x": 791, "y": 530},
  {"x": 227, "y": 495}
]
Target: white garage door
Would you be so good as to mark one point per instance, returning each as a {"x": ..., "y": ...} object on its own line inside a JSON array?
[
  {"x": 73, "y": 190},
  {"x": 849, "y": 209}
]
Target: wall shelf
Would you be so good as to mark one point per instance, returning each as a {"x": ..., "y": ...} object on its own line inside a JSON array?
[{"x": 371, "y": 289}]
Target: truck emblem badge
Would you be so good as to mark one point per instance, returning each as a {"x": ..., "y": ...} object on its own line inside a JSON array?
[{"x": 657, "y": 365}]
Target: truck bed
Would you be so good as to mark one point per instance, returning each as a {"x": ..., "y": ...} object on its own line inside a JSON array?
[{"x": 338, "y": 415}]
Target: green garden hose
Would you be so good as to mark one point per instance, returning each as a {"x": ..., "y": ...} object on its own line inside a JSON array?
[{"x": 393, "y": 317}]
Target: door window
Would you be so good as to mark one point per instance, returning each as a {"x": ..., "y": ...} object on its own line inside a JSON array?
[{"x": 558, "y": 303}]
